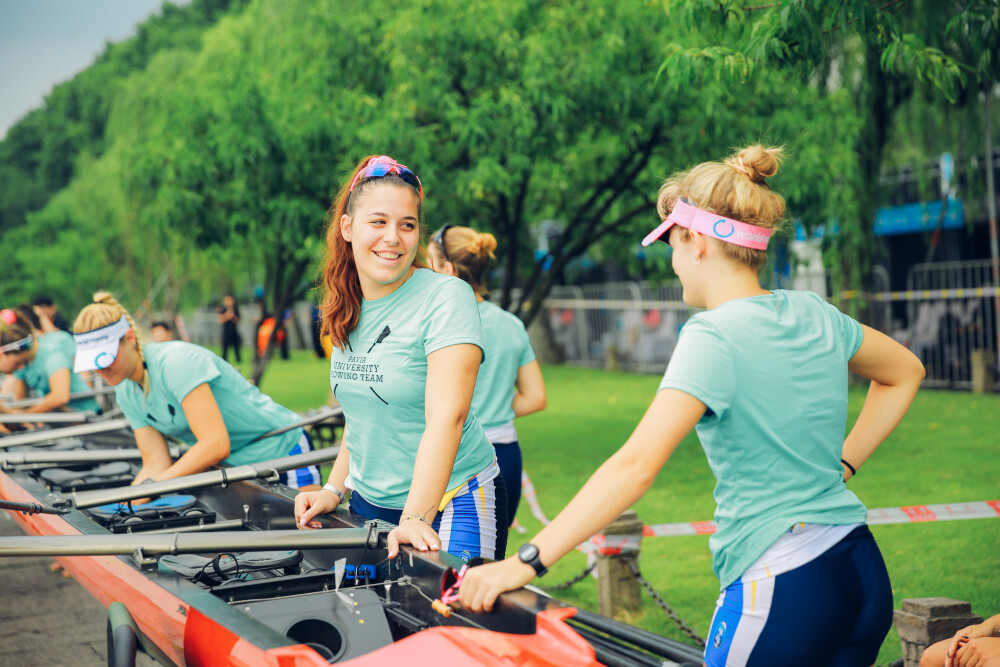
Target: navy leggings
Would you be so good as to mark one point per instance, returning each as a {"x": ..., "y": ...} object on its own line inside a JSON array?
[
  {"x": 509, "y": 460},
  {"x": 833, "y": 611}
]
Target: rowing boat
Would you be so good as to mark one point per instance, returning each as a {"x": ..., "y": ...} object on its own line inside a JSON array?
[{"x": 214, "y": 573}]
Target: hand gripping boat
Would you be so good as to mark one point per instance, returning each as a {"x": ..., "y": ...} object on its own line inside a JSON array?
[{"x": 215, "y": 573}]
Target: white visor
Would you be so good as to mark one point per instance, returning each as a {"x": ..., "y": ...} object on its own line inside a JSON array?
[{"x": 99, "y": 348}]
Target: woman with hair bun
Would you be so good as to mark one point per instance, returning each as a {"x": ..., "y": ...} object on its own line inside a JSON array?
[
  {"x": 407, "y": 344},
  {"x": 182, "y": 390},
  {"x": 762, "y": 376},
  {"x": 41, "y": 361},
  {"x": 510, "y": 382}
]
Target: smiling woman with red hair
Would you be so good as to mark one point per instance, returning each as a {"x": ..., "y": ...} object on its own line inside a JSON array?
[{"x": 407, "y": 344}]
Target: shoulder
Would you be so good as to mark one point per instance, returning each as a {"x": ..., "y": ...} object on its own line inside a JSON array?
[
  {"x": 439, "y": 289},
  {"x": 58, "y": 340},
  {"x": 495, "y": 314},
  {"x": 175, "y": 352}
]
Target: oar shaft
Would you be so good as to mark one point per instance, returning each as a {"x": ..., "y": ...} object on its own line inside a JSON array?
[
  {"x": 202, "y": 479},
  {"x": 179, "y": 543},
  {"x": 35, "y": 400},
  {"x": 45, "y": 417},
  {"x": 68, "y": 432},
  {"x": 326, "y": 415},
  {"x": 8, "y": 459},
  {"x": 29, "y": 508}
]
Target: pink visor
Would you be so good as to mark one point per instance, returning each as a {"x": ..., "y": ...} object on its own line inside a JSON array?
[{"x": 711, "y": 224}]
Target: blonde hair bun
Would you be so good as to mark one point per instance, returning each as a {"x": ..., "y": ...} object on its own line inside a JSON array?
[
  {"x": 757, "y": 162},
  {"x": 104, "y": 297},
  {"x": 483, "y": 244}
]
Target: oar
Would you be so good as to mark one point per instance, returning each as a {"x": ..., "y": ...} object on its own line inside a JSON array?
[
  {"x": 183, "y": 543},
  {"x": 317, "y": 418},
  {"x": 45, "y": 417},
  {"x": 30, "y": 508},
  {"x": 34, "y": 400},
  {"x": 45, "y": 435},
  {"x": 223, "y": 476},
  {"x": 10, "y": 459}
]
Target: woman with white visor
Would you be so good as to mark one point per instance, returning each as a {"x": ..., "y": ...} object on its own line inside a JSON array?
[{"x": 182, "y": 390}]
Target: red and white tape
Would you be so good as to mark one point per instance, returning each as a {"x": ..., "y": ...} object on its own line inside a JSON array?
[{"x": 987, "y": 509}]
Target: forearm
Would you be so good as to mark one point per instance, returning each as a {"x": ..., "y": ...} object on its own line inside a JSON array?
[
  {"x": 432, "y": 468},
  {"x": 526, "y": 404},
  {"x": 883, "y": 410},
  {"x": 203, "y": 455},
  {"x": 49, "y": 403},
  {"x": 340, "y": 470},
  {"x": 612, "y": 489}
]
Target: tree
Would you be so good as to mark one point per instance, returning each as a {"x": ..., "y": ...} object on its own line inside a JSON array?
[{"x": 878, "y": 51}]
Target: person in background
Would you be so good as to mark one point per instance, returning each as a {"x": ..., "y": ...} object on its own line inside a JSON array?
[
  {"x": 974, "y": 646},
  {"x": 762, "y": 375},
  {"x": 407, "y": 344},
  {"x": 182, "y": 390},
  {"x": 161, "y": 331},
  {"x": 39, "y": 361},
  {"x": 229, "y": 318},
  {"x": 44, "y": 306},
  {"x": 510, "y": 382}
]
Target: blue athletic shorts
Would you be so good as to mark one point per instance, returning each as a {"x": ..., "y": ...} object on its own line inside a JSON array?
[
  {"x": 835, "y": 610},
  {"x": 301, "y": 476},
  {"x": 472, "y": 525}
]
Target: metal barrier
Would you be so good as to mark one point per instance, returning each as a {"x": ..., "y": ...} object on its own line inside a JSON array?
[
  {"x": 951, "y": 315},
  {"x": 628, "y": 326}
]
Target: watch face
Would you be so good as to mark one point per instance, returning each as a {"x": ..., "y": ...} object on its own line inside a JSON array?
[{"x": 528, "y": 552}]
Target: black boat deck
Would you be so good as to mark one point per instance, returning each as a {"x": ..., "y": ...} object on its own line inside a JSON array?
[{"x": 46, "y": 619}]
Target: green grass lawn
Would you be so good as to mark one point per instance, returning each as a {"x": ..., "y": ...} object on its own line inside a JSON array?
[{"x": 945, "y": 451}]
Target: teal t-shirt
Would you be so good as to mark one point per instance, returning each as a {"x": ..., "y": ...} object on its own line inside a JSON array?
[
  {"x": 176, "y": 368},
  {"x": 380, "y": 379},
  {"x": 772, "y": 370},
  {"x": 508, "y": 349},
  {"x": 56, "y": 350}
]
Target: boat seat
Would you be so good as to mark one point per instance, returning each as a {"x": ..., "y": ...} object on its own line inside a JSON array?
[
  {"x": 214, "y": 571},
  {"x": 66, "y": 477},
  {"x": 158, "y": 507}
]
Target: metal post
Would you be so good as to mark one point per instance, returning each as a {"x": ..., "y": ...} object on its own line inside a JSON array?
[{"x": 992, "y": 207}]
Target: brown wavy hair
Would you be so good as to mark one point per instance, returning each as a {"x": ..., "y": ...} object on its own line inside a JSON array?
[
  {"x": 735, "y": 188},
  {"x": 340, "y": 305},
  {"x": 470, "y": 252}
]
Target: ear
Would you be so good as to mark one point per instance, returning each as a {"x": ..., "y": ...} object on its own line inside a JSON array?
[
  {"x": 450, "y": 269},
  {"x": 345, "y": 227},
  {"x": 130, "y": 337},
  {"x": 700, "y": 243}
]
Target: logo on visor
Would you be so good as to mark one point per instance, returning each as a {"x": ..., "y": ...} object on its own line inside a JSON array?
[
  {"x": 104, "y": 364},
  {"x": 727, "y": 233}
]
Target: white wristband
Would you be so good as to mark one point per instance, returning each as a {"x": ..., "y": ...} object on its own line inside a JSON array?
[{"x": 332, "y": 488}]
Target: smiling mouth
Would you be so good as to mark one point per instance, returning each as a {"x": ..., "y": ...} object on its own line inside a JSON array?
[{"x": 389, "y": 255}]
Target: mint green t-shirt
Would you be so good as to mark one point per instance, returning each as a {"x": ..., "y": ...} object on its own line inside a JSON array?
[
  {"x": 772, "y": 370},
  {"x": 509, "y": 349},
  {"x": 55, "y": 352},
  {"x": 176, "y": 368},
  {"x": 380, "y": 379}
]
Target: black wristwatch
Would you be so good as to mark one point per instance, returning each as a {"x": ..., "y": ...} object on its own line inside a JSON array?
[{"x": 529, "y": 554}]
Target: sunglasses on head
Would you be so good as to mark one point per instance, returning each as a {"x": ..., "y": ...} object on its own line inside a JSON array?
[
  {"x": 380, "y": 166},
  {"x": 439, "y": 240}
]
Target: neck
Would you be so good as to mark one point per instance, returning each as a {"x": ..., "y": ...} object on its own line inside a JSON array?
[
  {"x": 732, "y": 282},
  {"x": 137, "y": 371}
]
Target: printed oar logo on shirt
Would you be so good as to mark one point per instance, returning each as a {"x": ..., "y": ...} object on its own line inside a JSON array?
[{"x": 381, "y": 337}]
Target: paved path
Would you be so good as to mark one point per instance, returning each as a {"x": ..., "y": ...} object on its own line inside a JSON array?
[{"x": 46, "y": 619}]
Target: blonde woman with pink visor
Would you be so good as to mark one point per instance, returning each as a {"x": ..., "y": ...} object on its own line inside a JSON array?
[{"x": 762, "y": 377}]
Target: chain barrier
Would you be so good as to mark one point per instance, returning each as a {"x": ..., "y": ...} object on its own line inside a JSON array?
[
  {"x": 575, "y": 580},
  {"x": 661, "y": 603}
]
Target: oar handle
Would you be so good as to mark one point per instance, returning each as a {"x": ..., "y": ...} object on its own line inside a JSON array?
[
  {"x": 202, "y": 479},
  {"x": 308, "y": 421}
]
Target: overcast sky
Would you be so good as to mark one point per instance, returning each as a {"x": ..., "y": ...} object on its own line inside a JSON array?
[{"x": 45, "y": 42}]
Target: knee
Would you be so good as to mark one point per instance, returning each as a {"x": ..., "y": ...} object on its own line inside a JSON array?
[{"x": 935, "y": 654}]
